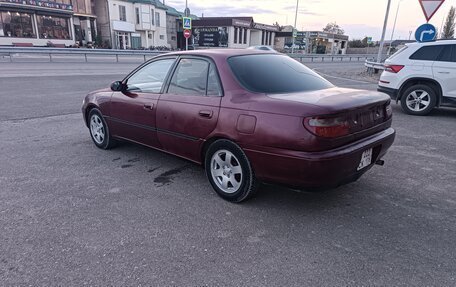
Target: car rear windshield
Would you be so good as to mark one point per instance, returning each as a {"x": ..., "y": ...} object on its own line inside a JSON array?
[{"x": 275, "y": 74}]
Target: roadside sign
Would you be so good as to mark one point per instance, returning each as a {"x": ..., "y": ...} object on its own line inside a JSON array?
[
  {"x": 187, "y": 23},
  {"x": 295, "y": 33},
  {"x": 425, "y": 33},
  {"x": 187, "y": 34},
  {"x": 369, "y": 40},
  {"x": 430, "y": 7}
]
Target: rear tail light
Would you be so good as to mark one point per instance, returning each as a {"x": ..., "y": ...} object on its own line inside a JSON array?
[
  {"x": 393, "y": 68},
  {"x": 328, "y": 127}
]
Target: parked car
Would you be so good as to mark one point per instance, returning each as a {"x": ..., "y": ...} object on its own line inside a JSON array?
[
  {"x": 421, "y": 76},
  {"x": 262, "y": 48},
  {"x": 247, "y": 116}
]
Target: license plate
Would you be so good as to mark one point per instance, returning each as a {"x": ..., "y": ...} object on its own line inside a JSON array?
[{"x": 366, "y": 159}]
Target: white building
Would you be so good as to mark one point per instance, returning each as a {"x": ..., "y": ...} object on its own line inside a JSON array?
[{"x": 132, "y": 24}]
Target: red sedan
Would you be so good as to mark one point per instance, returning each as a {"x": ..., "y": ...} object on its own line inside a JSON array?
[{"x": 248, "y": 116}]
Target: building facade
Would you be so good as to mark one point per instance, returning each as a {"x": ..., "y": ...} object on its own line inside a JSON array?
[
  {"x": 38, "y": 23},
  {"x": 132, "y": 24},
  {"x": 316, "y": 42},
  {"x": 231, "y": 32}
]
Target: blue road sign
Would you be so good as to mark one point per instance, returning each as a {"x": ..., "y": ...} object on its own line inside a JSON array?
[
  {"x": 187, "y": 23},
  {"x": 425, "y": 33}
]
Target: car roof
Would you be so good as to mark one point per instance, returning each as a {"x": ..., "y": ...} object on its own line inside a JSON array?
[
  {"x": 222, "y": 53},
  {"x": 438, "y": 42}
]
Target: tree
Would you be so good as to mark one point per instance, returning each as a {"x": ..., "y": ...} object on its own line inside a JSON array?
[
  {"x": 333, "y": 28},
  {"x": 448, "y": 29}
]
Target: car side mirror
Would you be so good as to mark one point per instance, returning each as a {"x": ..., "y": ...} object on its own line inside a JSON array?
[{"x": 117, "y": 86}]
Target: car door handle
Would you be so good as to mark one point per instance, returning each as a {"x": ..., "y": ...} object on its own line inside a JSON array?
[
  {"x": 149, "y": 106},
  {"x": 205, "y": 114},
  {"x": 443, "y": 72}
]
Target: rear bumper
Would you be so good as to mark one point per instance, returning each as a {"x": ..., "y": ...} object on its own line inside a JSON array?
[
  {"x": 318, "y": 170},
  {"x": 393, "y": 93}
]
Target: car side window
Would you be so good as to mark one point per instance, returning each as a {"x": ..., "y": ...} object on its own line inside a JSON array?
[
  {"x": 151, "y": 77},
  {"x": 213, "y": 84},
  {"x": 453, "y": 57},
  {"x": 190, "y": 78},
  {"x": 445, "y": 55},
  {"x": 427, "y": 53}
]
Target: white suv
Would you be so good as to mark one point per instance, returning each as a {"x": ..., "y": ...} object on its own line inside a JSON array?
[{"x": 421, "y": 76}]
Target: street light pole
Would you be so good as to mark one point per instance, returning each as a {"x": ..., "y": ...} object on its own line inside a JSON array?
[
  {"x": 394, "y": 26},
  {"x": 294, "y": 27},
  {"x": 382, "y": 41}
]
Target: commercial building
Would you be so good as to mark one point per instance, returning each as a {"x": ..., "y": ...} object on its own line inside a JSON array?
[
  {"x": 231, "y": 32},
  {"x": 38, "y": 23},
  {"x": 316, "y": 42},
  {"x": 132, "y": 24}
]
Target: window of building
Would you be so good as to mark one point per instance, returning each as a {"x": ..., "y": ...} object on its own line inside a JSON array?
[
  {"x": 122, "y": 13},
  {"x": 241, "y": 30},
  {"x": 262, "y": 37},
  {"x": 270, "y": 38},
  {"x": 80, "y": 7},
  {"x": 14, "y": 24},
  {"x": 137, "y": 15},
  {"x": 173, "y": 38},
  {"x": 157, "y": 19},
  {"x": 235, "y": 35},
  {"x": 162, "y": 37},
  {"x": 190, "y": 78},
  {"x": 245, "y": 36},
  {"x": 152, "y": 15},
  {"x": 51, "y": 27}
]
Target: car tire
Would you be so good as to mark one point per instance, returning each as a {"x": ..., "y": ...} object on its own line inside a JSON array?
[
  {"x": 418, "y": 100},
  {"x": 99, "y": 130},
  {"x": 229, "y": 171}
]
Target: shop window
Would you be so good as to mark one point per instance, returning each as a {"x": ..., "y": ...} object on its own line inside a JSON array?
[
  {"x": 51, "y": 27},
  {"x": 122, "y": 13},
  {"x": 15, "y": 24}
]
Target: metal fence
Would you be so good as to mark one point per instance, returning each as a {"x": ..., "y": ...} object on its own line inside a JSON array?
[{"x": 24, "y": 54}]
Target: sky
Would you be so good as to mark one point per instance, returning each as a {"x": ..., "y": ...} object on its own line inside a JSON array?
[{"x": 359, "y": 18}]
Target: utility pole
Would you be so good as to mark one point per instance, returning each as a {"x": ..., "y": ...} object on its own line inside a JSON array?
[
  {"x": 294, "y": 27},
  {"x": 394, "y": 26},
  {"x": 382, "y": 41}
]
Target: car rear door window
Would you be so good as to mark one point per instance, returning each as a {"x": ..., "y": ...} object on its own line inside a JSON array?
[
  {"x": 453, "y": 57},
  {"x": 427, "y": 53},
  {"x": 150, "y": 78},
  {"x": 190, "y": 78},
  {"x": 445, "y": 55}
]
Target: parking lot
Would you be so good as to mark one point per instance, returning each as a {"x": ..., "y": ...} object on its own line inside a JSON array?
[{"x": 71, "y": 213}]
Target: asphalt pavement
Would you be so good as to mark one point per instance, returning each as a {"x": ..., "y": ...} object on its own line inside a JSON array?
[{"x": 72, "y": 214}]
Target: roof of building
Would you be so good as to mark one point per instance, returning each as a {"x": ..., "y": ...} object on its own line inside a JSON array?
[
  {"x": 156, "y": 3},
  {"x": 173, "y": 11}
]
